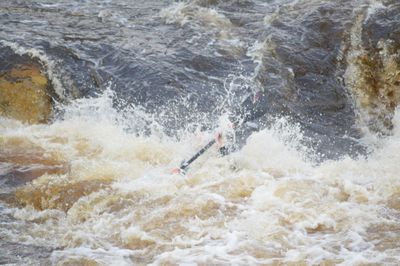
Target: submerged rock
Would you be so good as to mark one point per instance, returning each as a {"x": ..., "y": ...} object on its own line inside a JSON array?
[
  {"x": 373, "y": 73},
  {"x": 24, "y": 93},
  {"x": 50, "y": 194}
]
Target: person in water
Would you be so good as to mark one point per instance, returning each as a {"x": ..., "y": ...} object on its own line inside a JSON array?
[{"x": 253, "y": 107}]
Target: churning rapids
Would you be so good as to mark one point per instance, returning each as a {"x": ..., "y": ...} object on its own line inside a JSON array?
[{"x": 100, "y": 99}]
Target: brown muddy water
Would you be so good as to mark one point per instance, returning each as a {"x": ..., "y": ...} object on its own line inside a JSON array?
[{"x": 99, "y": 100}]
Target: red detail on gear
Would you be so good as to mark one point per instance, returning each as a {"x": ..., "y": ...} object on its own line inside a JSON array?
[{"x": 218, "y": 139}]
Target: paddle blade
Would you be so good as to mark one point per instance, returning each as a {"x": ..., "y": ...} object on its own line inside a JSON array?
[{"x": 176, "y": 171}]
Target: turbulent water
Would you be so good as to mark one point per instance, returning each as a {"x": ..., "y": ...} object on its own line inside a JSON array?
[{"x": 138, "y": 86}]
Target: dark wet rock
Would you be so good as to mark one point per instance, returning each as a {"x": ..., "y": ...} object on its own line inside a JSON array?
[
  {"x": 78, "y": 76},
  {"x": 179, "y": 89},
  {"x": 301, "y": 74},
  {"x": 382, "y": 25}
]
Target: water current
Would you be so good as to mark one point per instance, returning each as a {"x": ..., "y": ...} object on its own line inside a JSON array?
[{"x": 100, "y": 99}]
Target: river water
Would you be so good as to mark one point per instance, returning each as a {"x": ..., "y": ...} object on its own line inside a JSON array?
[{"x": 138, "y": 86}]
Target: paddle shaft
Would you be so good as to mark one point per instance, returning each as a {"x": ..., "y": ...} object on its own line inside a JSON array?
[
  {"x": 247, "y": 104},
  {"x": 185, "y": 164}
]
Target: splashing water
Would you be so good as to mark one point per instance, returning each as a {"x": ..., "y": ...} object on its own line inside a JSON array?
[
  {"x": 113, "y": 202},
  {"x": 93, "y": 186}
]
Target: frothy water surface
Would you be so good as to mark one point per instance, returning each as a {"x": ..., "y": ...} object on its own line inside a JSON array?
[
  {"x": 115, "y": 203},
  {"x": 138, "y": 87}
]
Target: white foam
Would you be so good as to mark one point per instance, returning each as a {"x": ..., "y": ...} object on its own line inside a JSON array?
[
  {"x": 183, "y": 13},
  {"x": 263, "y": 204},
  {"x": 374, "y": 7}
]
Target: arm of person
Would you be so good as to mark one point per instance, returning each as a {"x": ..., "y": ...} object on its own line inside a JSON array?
[{"x": 252, "y": 108}]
